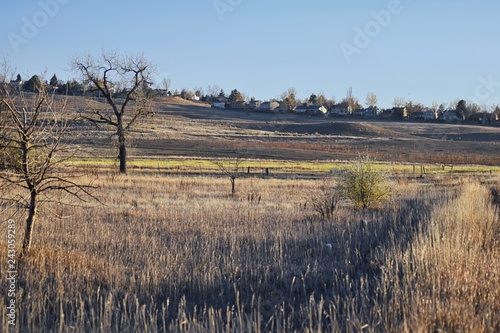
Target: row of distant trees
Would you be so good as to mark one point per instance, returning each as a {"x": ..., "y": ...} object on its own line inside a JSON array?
[
  {"x": 36, "y": 83},
  {"x": 290, "y": 100},
  {"x": 289, "y": 97}
]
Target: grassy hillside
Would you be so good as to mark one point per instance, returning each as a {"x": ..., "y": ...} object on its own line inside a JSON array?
[{"x": 188, "y": 129}]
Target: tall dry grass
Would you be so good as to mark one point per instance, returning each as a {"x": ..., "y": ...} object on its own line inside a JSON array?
[
  {"x": 179, "y": 254},
  {"x": 451, "y": 275}
]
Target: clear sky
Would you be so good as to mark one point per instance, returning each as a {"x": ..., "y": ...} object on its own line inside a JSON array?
[{"x": 423, "y": 50}]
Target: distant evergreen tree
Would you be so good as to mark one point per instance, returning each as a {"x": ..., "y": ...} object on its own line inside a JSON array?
[
  {"x": 53, "y": 81},
  {"x": 71, "y": 88},
  {"x": 187, "y": 94},
  {"x": 234, "y": 97},
  {"x": 313, "y": 99},
  {"x": 33, "y": 85},
  {"x": 462, "y": 108}
]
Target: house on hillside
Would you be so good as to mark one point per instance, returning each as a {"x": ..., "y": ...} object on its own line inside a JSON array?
[
  {"x": 301, "y": 108},
  {"x": 221, "y": 99},
  {"x": 254, "y": 104},
  {"x": 483, "y": 118},
  {"x": 429, "y": 115},
  {"x": 424, "y": 115},
  {"x": 399, "y": 112},
  {"x": 368, "y": 112},
  {"x": 317, "y": 110},
  {"x": 387, "y": 113},
  {"x": 311, "y": 109},
  {"x": 239, "y": 105},
  {"x": 17, "y": 84},
  {"x": 283, "y": 107},
  {"x": 269, "y": 106},
  {"x": 339, "y": 111},
  {"x": 359, "y": 112},
  {"x": 219, "y": 105},
  {"x": 451, "y": 116},
  {"x": 371, "y": 112}
]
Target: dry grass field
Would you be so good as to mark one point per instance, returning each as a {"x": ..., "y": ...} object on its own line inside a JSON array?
[
  {"x": 179, "y": 254},
  {"x": 172, "y": 251},
  {"x": 188, "y": 129}
]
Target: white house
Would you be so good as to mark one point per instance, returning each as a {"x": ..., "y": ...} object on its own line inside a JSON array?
[
  {"x": 337, "y": 110},
  {"x": 269, "y": 106},
  {"x": 428, "y": 115},
  {"x": 451, "y": 115},
  {"x": 254, "y": 104},
  {"x": 311, "y": 109}
]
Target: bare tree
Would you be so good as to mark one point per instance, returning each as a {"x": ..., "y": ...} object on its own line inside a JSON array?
[
  {"x": 434, "y": 106},
  {"x": 289, "y": 98},
  {"x": 213, "y": 90},
  {"x": 166, "y": 82},
  {"x": 352, "y": 101},
  {"x": 321, "y": 99},
  {"x": 412, "y": 108},
  {"x": 371, "y": 99},
  {"x": 134, "y": 74},
  {"x": 399, "y": 102},
  {"x": 33, "y": 127},
  {"x": 231, "y": 169}
]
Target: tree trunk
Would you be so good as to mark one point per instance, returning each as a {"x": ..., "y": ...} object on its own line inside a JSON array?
[
  {"x": 30, "y": 222},
  {"x": 123, "y": 158},
  {"x": 122, "y": 155},
  {"x": 233, "y": 179}
]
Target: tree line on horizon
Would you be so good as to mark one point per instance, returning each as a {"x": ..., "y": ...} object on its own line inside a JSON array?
[{"x": 288, "y": 99}]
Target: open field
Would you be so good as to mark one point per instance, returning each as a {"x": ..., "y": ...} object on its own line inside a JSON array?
[
  {"x": 177, "y": 253},
  {"x": 275, "y": 168},
  {"x": 193, "y": 130},
  {"x": 168, "y": 249}
]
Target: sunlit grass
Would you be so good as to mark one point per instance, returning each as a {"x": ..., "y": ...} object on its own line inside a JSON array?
[
  {"x": 200, "y": 165},
  {"x": 178, "y": 253}
]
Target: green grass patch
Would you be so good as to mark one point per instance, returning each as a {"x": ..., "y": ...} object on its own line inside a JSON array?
[{"x": 200, "y": 165}]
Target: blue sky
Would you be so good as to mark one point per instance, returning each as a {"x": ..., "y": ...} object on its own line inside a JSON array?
[{"x": 421, "y": 50}]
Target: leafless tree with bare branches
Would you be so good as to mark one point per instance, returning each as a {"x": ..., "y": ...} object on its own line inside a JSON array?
[
  {"x": 103, "y": 75},
  {"x": 231, "y": 169},
  {"x": 33, "y": 127}
]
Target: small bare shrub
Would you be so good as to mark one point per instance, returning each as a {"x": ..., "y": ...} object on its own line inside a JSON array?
[{"x": 324, "y": 201}]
